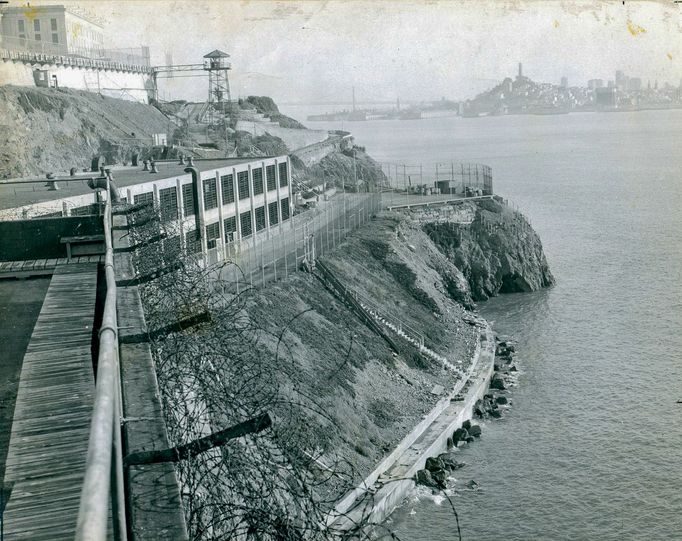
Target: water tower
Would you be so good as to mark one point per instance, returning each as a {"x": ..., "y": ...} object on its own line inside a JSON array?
[{"x": 217, "y": 65}]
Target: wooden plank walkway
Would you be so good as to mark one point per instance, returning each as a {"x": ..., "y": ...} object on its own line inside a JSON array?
[
  {"x": 37, "y": 267},
  {"x": 49, "y": 439}
]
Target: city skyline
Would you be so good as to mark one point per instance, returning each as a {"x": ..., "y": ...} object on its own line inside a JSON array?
[{"x": 317, "y": 51}]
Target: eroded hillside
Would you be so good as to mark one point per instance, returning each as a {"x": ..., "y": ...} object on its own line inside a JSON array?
[{"x": 46, "y": 130}]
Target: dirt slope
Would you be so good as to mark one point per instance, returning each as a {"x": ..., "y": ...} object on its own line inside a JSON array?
[{"x": 43, "y": 129}]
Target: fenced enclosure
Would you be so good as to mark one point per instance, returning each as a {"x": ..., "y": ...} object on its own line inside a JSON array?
[
  {"x": 268, "y": 257},
  {"x": 451, "y": 178}
]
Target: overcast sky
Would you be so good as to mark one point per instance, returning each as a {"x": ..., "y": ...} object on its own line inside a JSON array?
[{"x": 301, "y": 51}]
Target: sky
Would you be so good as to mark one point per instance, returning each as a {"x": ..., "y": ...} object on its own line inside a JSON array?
[{"x": 317, "y": 50}]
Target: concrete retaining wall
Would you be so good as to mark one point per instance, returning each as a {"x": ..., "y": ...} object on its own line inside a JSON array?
[
  {"x": 116, "y": 84},
  {"x": 383, "y": 490}
]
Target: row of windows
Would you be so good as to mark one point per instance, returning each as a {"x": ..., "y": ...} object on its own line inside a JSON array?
[
  {"x": 21, "y": 27},
  {"x": 230, "y": 224},
  {"x": 168, "y": 197}
]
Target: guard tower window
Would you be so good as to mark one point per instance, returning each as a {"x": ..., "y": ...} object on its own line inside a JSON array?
[
  {"x": 210, "y": 194},
  {"x": 283, "y": 179},
  {"x": 257, "y": 181},
  {"x": 188, "y": 199},
  {"x": 270, "y": 175},
  {"x": 243, "y": 184},
  {"x": 227, "y": 188}
]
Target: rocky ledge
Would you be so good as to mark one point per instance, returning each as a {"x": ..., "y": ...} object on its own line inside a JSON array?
[{"x": 498, "y": 252}]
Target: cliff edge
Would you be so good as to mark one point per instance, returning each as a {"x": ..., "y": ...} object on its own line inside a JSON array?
[{"x": 498, "y": 252}]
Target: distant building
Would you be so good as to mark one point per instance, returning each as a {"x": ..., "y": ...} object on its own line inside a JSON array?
[
  {"x": 520, "y": 75},
  {"x": 634, "y": 84},
  {"x": 605, "y": 97},
  {"x": 564, "y": 82},
  {"x": 52, "y": 29},
  {"x": 593, "y": 84},
  {"x": 621, "y": 81}
]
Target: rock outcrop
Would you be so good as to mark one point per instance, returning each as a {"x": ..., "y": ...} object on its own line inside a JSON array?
[{"x": 499, "y": 252}]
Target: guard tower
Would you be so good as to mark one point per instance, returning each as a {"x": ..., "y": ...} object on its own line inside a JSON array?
[{"x": 217, "y": 65}]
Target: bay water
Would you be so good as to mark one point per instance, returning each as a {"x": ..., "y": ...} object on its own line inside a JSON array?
[{"x": 592, "y": 446}]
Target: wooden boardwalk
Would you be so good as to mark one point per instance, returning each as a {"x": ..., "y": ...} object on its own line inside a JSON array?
[
  {"x": 49, "y": 439},
  {"x": 38, "y": 267}
]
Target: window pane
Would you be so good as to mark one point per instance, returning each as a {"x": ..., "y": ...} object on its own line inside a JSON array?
[
  {"x": 257, "y": 181},
  {"x": 212, "y": 233},
  {"x": 245, "y": 221},
  {"x": 227, "y": 187},
  {"x": 22, "y": 28},
  {"x": 147, "y": 197},
  {"x": 188, "y": 199},
  {"x": 270, "y": 175},
  {"x": 272, "y": 211},
  {"x": 55, "y": 38},
  {"x": 38, "y": 38},
  {"x": 243, "y": 184},
  {"x": 285, "y": 208},
  {"x": 230, "y": 225},
  {"x": 210, "y": 194},
  {"x": 168, "y": 201},
  {"x": 36, "y": 25},
  {"x": 283, "y": 179},
  {"x": 53, "y": 24},
  {"x": 192, "y": 242},
  {"x": 260, "y": 218}
]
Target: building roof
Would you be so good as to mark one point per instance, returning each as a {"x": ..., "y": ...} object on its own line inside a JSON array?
[
  {"x": 216, "y": 54},
  {"x": 18, "y": 193}
]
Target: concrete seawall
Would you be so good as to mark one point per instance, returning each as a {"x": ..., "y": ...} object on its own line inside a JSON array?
[{"x": 383, "y": 490}]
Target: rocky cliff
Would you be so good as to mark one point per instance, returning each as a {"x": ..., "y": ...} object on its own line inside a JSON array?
[
  {"x": 342, "y": 168},
  {"x": 498, "y": 252}
]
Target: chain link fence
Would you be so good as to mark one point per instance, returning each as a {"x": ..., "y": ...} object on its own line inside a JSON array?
[
  {"x": 446, "y": 178},
  {"x": 268, "y": 257}
]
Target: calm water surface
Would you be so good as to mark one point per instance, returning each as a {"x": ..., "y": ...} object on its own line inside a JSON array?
[{"x": 592, "y": 448}]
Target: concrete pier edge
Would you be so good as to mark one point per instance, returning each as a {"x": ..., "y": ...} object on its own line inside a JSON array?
[{"x": 391, "y": 481}]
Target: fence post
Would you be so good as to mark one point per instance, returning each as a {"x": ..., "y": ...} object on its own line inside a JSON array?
[
  {"x": 274, "y": 259},
  {"x": 262, "y": 263}
]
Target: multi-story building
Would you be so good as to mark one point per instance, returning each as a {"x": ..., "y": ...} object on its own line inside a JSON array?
[
  {"x": 52, "y": 29},
  {"x": 213, "y": 201}
]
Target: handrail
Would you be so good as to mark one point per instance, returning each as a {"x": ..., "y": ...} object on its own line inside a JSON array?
[{"x": 105, "y": 434}]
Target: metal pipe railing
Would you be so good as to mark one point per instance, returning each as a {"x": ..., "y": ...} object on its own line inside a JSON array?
[{"x": 105, "y": 434}]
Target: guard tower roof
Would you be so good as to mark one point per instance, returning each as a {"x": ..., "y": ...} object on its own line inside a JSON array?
[{"x": 216, "y": 54}]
